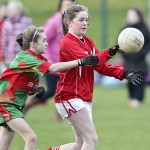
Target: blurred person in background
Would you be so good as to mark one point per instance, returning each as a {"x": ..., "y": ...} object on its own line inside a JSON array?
[
  {"x": 54, "y": 33},
  {"x": 135, "y": 19},
  {"x": 2, "y": 19},
  {"x": 16, "y": 22},
  {"x": 74, "y": 93},
  {"x": 22, "y": 79}
]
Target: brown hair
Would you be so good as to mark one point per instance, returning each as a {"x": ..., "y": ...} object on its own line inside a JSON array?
[
  {"x": 30, "y": 34},
  {"x": 70, "y": 14}
]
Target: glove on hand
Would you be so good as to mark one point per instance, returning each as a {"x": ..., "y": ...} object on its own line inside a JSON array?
[
  {"x": 40, "y": 92},
  {"x": 133, "y": 76},
  {"x": 90, "y": 60},
  {"x": 115, "y": 49}
]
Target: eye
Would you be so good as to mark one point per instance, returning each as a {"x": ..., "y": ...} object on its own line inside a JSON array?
[
  {"x": 81, "y": 19},
  {"x": 44, "y": 40}
]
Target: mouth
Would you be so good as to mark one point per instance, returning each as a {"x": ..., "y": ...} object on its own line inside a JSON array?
[{"x": 83, "y": 29}]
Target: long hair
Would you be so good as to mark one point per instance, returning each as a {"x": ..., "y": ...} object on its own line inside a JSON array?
[{"x": 70, "y": 14}]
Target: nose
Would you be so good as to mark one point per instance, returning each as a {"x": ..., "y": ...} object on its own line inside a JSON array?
[
  {"x": 86, "y": 22},
  {"x": 46, "y": 43}
]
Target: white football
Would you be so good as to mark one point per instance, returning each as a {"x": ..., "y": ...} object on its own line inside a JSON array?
[{"x": 131, "y": 40}]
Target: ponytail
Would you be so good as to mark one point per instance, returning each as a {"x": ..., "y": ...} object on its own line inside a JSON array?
[{"x": 64, "y": 25}]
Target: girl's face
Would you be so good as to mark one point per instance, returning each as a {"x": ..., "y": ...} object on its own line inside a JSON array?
[
  {"x": 41, "y": 44},
  {"x": 13, "y": 10},
  {"x": 78, "y": 25}
]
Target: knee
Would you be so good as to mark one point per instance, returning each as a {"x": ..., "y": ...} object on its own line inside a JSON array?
[
  {"x": 31, "y": 138},
  {"x": 79, "y": 142},
  {"x": 93, "y": 141}
]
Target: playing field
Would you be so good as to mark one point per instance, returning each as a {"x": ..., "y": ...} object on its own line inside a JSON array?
[{"x": 119, "y": 127}]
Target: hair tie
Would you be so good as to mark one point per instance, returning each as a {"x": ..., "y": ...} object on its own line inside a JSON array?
[{"x": 19, "y": 40}]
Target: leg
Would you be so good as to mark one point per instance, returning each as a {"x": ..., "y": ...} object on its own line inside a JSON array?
[
  {"x": 136, "y": 94},
  {"x": 5, "y": 138},
  {"x": 31, "y": 101},
  {"x": 87, "y": 132},
  {"x": 20, "y": 126},
  {"x": 86, "y": 137},
  {"x": 71, "y": 146}
]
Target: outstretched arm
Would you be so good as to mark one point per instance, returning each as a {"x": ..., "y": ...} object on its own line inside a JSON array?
[
  {"x": 86, "y": 61},
  {"x": 62, "y": 66}
]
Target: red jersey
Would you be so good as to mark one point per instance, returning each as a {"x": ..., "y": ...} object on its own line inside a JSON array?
[
  {"x": 79, "y": 82},
  {"x": 23, "y": 73}
]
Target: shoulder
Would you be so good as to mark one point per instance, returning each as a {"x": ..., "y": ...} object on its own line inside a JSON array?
[
  {"x": 22, "y": 55},
  {"x": 67, "y": 41}
]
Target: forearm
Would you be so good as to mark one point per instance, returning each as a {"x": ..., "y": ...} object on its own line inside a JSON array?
[
  {"x": 62, "y": 66},
  {"x": 111, "y": 70},
  {"x": 104, "y": 56}
]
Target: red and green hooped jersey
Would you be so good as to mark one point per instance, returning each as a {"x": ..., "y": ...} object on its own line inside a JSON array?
[{"x": 21, "y": 76}]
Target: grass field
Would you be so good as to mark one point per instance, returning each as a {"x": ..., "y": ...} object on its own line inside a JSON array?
[{"x": 119, "y": 127}]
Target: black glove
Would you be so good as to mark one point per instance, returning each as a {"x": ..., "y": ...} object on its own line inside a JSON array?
[
  {"x": 115, "y": 49},
  {"x": 90, "y": 60},
  {"x": 40, "y": 92},
  {"x": 134, "y": 76}
]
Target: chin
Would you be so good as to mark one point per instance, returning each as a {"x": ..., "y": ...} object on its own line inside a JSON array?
[{"x": 83, "y": 32}]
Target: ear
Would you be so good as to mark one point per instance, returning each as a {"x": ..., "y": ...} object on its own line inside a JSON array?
[
  {"x": 68, "y": 22},
  {"x": 32, "y": 44}
]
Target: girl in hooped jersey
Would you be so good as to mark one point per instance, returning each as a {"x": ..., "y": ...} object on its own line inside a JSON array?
[
  {"x": 21, "y": 79},
  {"x": 74, "y": 93}
]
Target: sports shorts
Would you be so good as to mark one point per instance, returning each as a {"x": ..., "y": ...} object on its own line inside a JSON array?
[
  {"x": 9, "y": 112},
  {"x": 73, "y": 105}
]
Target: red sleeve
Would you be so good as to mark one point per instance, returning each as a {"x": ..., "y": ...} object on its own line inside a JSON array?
[
  {"x": 71, "y": 49},
  {"x": 110, "y": 70},
  {"x": 103, "y": 55},
  {"x": 44, "y": 67}
]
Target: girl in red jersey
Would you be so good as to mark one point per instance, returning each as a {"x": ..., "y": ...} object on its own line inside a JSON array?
[
  {"x": 74, "y": 93},
  {"x": 21, "y": 78}
]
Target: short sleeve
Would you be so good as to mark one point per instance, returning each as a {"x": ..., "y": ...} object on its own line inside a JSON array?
[{"x": 26, "y": 62}]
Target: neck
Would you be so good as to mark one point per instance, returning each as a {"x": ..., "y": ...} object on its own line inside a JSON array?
[
  {"x": 32, "y": 49},
  {"x": 77, "y": 36}
]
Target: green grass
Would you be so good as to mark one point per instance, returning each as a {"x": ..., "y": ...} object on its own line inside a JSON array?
[{"x": 119, "y": 127}]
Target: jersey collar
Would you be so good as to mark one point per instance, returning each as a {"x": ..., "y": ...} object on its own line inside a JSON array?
[{"x": 39, "y": 56}]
